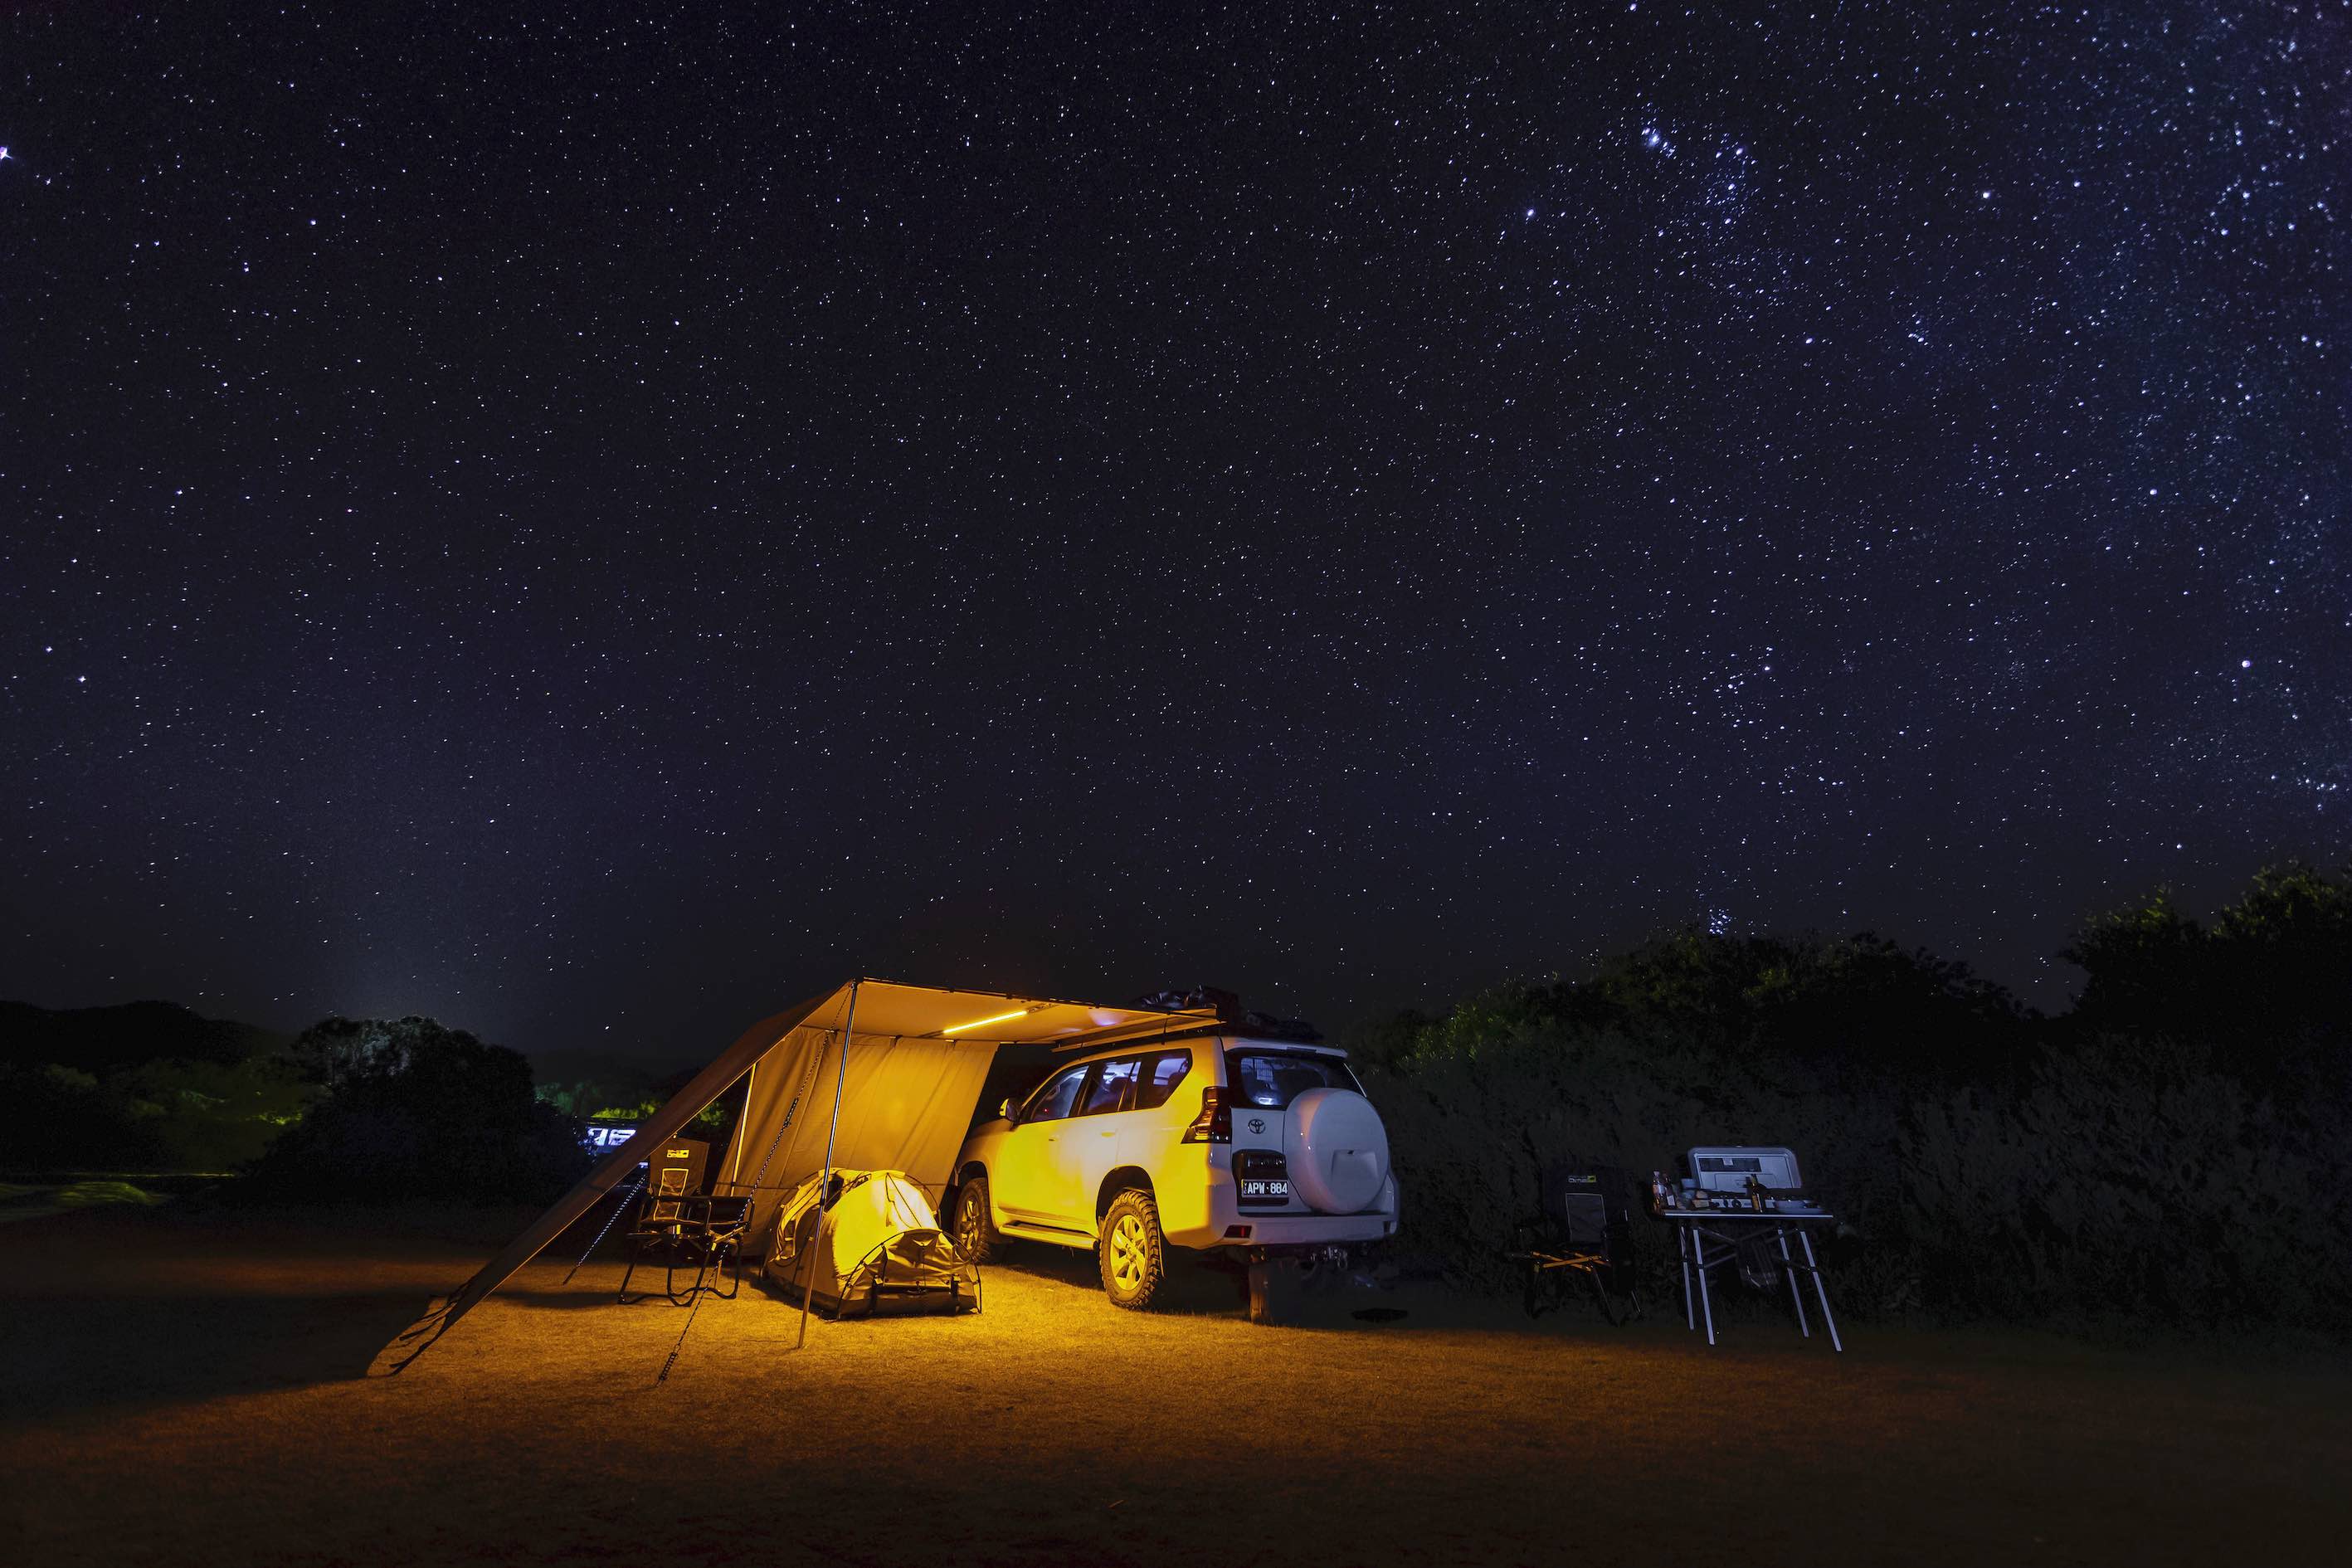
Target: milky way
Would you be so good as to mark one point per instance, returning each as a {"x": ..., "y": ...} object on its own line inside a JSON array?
[{"x": 593, "y": 526}]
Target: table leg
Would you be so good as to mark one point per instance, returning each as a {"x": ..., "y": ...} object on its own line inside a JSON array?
[
  {"x": 1699, "y": 1245},
  {"x": 1820, "y": 1290},
  {"x": 1681, "y": 1250},
  {"x": 1796, "y": 1292}
]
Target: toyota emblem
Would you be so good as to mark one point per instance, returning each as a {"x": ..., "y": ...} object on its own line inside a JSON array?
[{"x": 1257, "y": 1124}]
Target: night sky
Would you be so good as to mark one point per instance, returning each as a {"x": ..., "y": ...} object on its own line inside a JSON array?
[{"x": 596, "y": 526}]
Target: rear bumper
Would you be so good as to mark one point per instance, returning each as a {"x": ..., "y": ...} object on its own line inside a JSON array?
[{"x": 1213, "y": 1225}]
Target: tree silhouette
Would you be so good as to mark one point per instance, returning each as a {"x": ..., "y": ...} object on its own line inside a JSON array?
[
  {"x": 411, "y": 1108},
  {"x": 2267, "y": 987}
]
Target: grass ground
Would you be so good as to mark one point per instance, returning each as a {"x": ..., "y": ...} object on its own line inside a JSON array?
[
  {"x": 179, "y": 1387},
  {"x": 37, "y": 1197}
]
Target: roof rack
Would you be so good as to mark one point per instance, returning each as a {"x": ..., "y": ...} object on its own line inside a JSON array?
[
  {"x": 1231, "y": 1018},
  {"x": 1232, "y": 1014}
]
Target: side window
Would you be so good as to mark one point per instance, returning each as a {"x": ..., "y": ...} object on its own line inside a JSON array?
[
  {"x": 1161, "y": 1074},
  {"x": 1052, "y": 1102},
  {"x": 1114, "y": 1089}
]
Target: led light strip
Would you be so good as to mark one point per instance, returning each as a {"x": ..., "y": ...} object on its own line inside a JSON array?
[{"x": 999, "y": 1018}]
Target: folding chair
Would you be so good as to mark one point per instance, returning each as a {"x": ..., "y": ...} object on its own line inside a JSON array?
[
  {"x": 698, "y": 1230},
  {"x": 678, "y": 1224},
  {"x": 1583, "y": 1237}
]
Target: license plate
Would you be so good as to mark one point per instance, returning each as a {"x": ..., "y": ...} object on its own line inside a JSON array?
[{"x": 1265, "y": 1187}]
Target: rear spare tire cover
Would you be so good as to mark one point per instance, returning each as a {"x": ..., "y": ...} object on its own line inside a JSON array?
[{"x": 1337, "y": 1149}]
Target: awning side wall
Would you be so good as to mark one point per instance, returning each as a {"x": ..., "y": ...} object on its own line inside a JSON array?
[{"x": 904, "y": 1106}]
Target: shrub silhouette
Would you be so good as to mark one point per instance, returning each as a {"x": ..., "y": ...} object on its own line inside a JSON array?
[
  {"x": 144, "y": 1086},
  {"x": 410, "y": 1110},
  {"x": 2131, "y": 1180},
  {"x": 2268, "y": 985},
  {"x": 2168, "y": 1153}
]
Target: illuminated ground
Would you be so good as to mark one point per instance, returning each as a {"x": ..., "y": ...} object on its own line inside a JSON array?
[{"x": 176, "y": 1389}]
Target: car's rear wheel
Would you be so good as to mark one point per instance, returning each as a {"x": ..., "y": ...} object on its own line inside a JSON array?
[
  {"x": 975, "y": 1235},
  {"x": 1132, "y": 1252}
]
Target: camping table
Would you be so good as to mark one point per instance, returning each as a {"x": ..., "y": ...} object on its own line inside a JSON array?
[{"x": 1726, "y": 1228}]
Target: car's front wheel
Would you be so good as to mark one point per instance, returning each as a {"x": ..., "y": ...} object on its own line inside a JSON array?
[
  {"x": 1132, "y": 1252},
  {"x": 975, "y": 1233}
]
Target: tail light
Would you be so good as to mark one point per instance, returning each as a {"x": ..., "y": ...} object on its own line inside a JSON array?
[{"x": 1216, "y": 1122}]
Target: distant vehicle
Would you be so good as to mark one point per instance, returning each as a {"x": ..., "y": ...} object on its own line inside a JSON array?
[
  {"x": 603, "y": 1136},
  {"x": 1267, "y": 1148}
]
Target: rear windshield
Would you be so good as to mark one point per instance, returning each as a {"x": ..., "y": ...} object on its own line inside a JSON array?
[{"x": 1275, "y": 1078}]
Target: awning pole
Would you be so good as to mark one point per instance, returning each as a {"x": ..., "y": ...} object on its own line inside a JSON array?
[
  {"x": 742, "y": 1125},
  {"x": 848, "y": 1028}
]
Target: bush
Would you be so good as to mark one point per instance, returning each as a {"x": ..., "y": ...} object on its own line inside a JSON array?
[
  {"x": 410, "y": 1110},
  {"x": 2133, "y": 1180},
  {"x": 1471, "y": 1133},
  {"x": 2268, "y": 987},
  {"x": 2182, "y": 1171},
  {"x": 162, "y": 1114}
]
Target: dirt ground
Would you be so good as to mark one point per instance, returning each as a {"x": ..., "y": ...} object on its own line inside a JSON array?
[{"x": 187, "y": 1388}]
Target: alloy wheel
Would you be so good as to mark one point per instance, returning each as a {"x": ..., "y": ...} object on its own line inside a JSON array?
[{"x": 1127, "y": 1241}]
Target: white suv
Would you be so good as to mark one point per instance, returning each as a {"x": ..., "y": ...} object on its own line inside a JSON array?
[{"x": 1265, "y": 1147}]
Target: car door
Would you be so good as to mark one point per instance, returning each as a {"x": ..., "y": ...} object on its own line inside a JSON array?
[
  {"x": 1028, "y": 1177},
  {"x": 1093, "y": 1142}
]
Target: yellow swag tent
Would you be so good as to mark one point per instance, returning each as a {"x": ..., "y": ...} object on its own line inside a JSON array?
[
  {"x": 879, "y": 1234},
  {"x": 872, "y": 1075}
]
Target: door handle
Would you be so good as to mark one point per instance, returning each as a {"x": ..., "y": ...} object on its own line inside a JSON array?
[{"x": 1109, "y": 1135}]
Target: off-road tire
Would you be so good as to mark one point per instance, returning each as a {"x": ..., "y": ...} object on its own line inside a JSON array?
[
  {"x": 974, "y": 1233},
  {"x": 1133, "y": 1254}
]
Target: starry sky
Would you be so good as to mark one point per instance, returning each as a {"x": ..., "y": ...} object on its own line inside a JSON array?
[{"x": 593, "y": 524}]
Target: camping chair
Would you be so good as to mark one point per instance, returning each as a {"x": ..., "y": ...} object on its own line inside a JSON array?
[
  {"x": 706, "y": 1232},
  {"x": 1584, "y": 1237}
]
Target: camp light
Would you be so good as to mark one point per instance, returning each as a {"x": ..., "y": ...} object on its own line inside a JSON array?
[{"x": 999, "y": 1018}]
